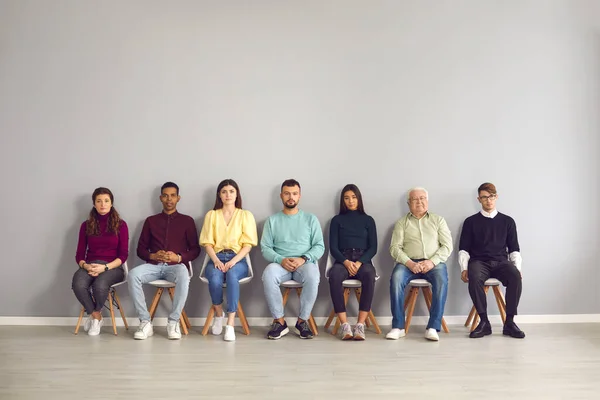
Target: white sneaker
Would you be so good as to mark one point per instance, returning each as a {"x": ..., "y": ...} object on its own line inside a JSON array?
[
  {"x": 88, "y": 323},
  {"x": 144, "y": 331},
  {"x": 95, "y": 328},
  {"x": 431, "y": 334},
  {"x": 173, "y": 332},
  {"x": 395, "y": 334},
  {"x": 347, "y": 332},
  {"x": 217, "y": 326},
  {"x": 229, "y": 334}
]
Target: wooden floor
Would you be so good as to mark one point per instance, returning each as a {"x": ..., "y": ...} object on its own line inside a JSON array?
[{"x": 553, "y": 362}]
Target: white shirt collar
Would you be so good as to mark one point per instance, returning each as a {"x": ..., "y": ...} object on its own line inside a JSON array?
[{"x": 489, "y": 215}]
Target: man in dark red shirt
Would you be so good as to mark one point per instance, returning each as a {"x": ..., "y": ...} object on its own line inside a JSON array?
[{"x": 168, "y": 242}]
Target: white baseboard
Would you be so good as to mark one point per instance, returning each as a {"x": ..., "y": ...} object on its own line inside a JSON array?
[{"x": 266, "y": 321}]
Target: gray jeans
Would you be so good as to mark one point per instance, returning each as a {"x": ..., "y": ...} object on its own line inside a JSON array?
[{"x": 99, "y": 285}]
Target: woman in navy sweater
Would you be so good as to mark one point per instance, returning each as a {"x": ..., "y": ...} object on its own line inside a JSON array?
[
  {"x": 101, "y": 250},
  {"x": 352, "y": 242}
]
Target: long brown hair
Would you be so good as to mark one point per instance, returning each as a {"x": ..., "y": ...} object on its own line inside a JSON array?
[
  {"x": 238, "y": 197},
  {"x": 114, "y": 219}
]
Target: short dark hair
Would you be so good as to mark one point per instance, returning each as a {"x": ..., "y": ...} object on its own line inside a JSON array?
[
  {"x": 488, "y": 187},
  {"x": 169, "y": 185},
  {"x": 351, "y": 188},
  {"x": 238, "y": 197},
  {"x": 291, "y": 183}
]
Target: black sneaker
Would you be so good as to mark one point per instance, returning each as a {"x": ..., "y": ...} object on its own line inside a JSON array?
[
  {"x": 303, "y": 330},
  {"x": 277, "y": 330}
]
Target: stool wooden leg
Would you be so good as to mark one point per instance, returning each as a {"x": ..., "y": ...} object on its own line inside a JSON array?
[
  {"x": 209, "y": 318},
  {"x": 112, "y": 312},
  {"x": 286, "y": 294},
  {"x": 471, "y": 316},
  {"x": 500, "y": 302},
  {"x": 371, "y": 316},
  {"x": 121, "y": 310},
  {"x": 79, "y": 320},
  {"x": 412, "y": 300},
  {"x": 155, "y": 301},
  {"x": 184, "y": 328},
  {"x": 186, "y": 319},
  {"x": 330, "y": 319},
  {"x": 314, "y": 329},
  {"x": 243, "y": 319},
  {"x": 337, "y": 320}
]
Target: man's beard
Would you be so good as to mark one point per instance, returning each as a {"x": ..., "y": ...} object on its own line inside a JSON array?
[{"x": 290, "y": 206}]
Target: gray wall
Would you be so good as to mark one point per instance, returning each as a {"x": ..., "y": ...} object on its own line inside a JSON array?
[{"x": 384, "y": 94}]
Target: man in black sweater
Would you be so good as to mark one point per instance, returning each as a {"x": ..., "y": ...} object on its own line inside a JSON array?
[{"x": 489, "y": 248}]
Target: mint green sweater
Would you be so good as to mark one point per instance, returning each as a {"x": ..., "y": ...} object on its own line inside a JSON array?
[{"x": 292, "y": 236}]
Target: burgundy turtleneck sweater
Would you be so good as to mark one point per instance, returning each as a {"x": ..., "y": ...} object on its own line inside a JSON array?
[{"x": 106, "y": 247}]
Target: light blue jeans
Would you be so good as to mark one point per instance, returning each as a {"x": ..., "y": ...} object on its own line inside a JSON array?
[
  {"x": 178, "y": 274},
  {"x": 401, "y": 276},
  {"x": 308, "y": 274},
  {"x": 216, "y": 278}
]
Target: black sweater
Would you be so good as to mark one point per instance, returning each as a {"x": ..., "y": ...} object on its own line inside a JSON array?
[
  {"x": 487, "y": 239},
  {"x": 353, "y": 230}
]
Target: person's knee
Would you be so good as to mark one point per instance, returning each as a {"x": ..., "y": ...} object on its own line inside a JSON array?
[
  {"x": 336, "y": 276},
  {"x": 135, "y": 275},
  {"x": 181, "y": 273},
  {"x": 476, "y": 276},
  {"x": 270, "y": 275},
  {"x": 100, "y": 286},
  {"x": 398, "y": 275},
  {"x": 312, "y": 277},
  {"x": 369, "y": 273}
]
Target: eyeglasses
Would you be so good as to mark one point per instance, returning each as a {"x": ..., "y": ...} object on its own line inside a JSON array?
[
  {"x": 490, "y": 197},
  {"x": 414, "y": 200}
]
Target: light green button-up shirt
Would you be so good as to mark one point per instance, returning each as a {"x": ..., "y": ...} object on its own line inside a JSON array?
[{"x": 428, "y": 238}]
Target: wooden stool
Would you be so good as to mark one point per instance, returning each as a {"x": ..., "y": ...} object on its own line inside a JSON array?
[
  {"x": 113, "y": 298},
  {"x": 289, "y": 285},
  {"x": 411, "y": 298},
  {"x": 495, "y": 285},
  {"x": 349, "y": 284},
  {"x": 161, "y": 285},
  {"x": 240, "y": 311}
]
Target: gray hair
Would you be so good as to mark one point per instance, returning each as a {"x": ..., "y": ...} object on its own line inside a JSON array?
[{"x": 415, "y": 189}]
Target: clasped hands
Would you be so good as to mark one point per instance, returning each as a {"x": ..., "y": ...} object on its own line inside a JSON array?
[
  {"x": 352, "y": 267},
  {"x": 164, "y": 256},
  {"x": 420, "y": 267},
  {"x": 292, "y": 263},
  {"x": 94, "y": 269}
]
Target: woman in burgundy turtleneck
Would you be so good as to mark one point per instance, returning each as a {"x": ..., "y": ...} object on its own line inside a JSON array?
[{"x": 101, "y": 250}]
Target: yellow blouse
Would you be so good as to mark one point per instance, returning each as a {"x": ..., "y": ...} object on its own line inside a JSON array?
[{"x": 241, "y": 230}]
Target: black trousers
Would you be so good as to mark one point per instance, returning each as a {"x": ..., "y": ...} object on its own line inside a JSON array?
[
  {"x": 100, "y": 285},
  {"x": 505, "y": 272},
  {"x": 366, "y": 275}
]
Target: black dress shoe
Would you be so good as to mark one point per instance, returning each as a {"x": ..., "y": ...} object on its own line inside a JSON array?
[
  {"x": 483, "y": 329},
  {"x": 511, "y": 329}
]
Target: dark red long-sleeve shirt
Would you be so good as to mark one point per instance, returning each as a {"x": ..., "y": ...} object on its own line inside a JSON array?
[
  {"x": 169, "y": 232},
  {"x": 106, "y": 247}
]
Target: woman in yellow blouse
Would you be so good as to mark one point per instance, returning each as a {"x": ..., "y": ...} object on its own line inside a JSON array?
[{"x": 228, "y": 234}]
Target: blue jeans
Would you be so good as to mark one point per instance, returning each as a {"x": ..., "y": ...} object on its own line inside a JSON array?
[
  {"x": 145, "y": 273},
  {"x": 308, "y": 274},
  {"x": 401, "y": 276},
  {"x": 216, "y": 278}
]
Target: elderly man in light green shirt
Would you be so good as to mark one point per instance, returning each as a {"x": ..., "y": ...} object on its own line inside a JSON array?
[{"x": 421, "y": 244}]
